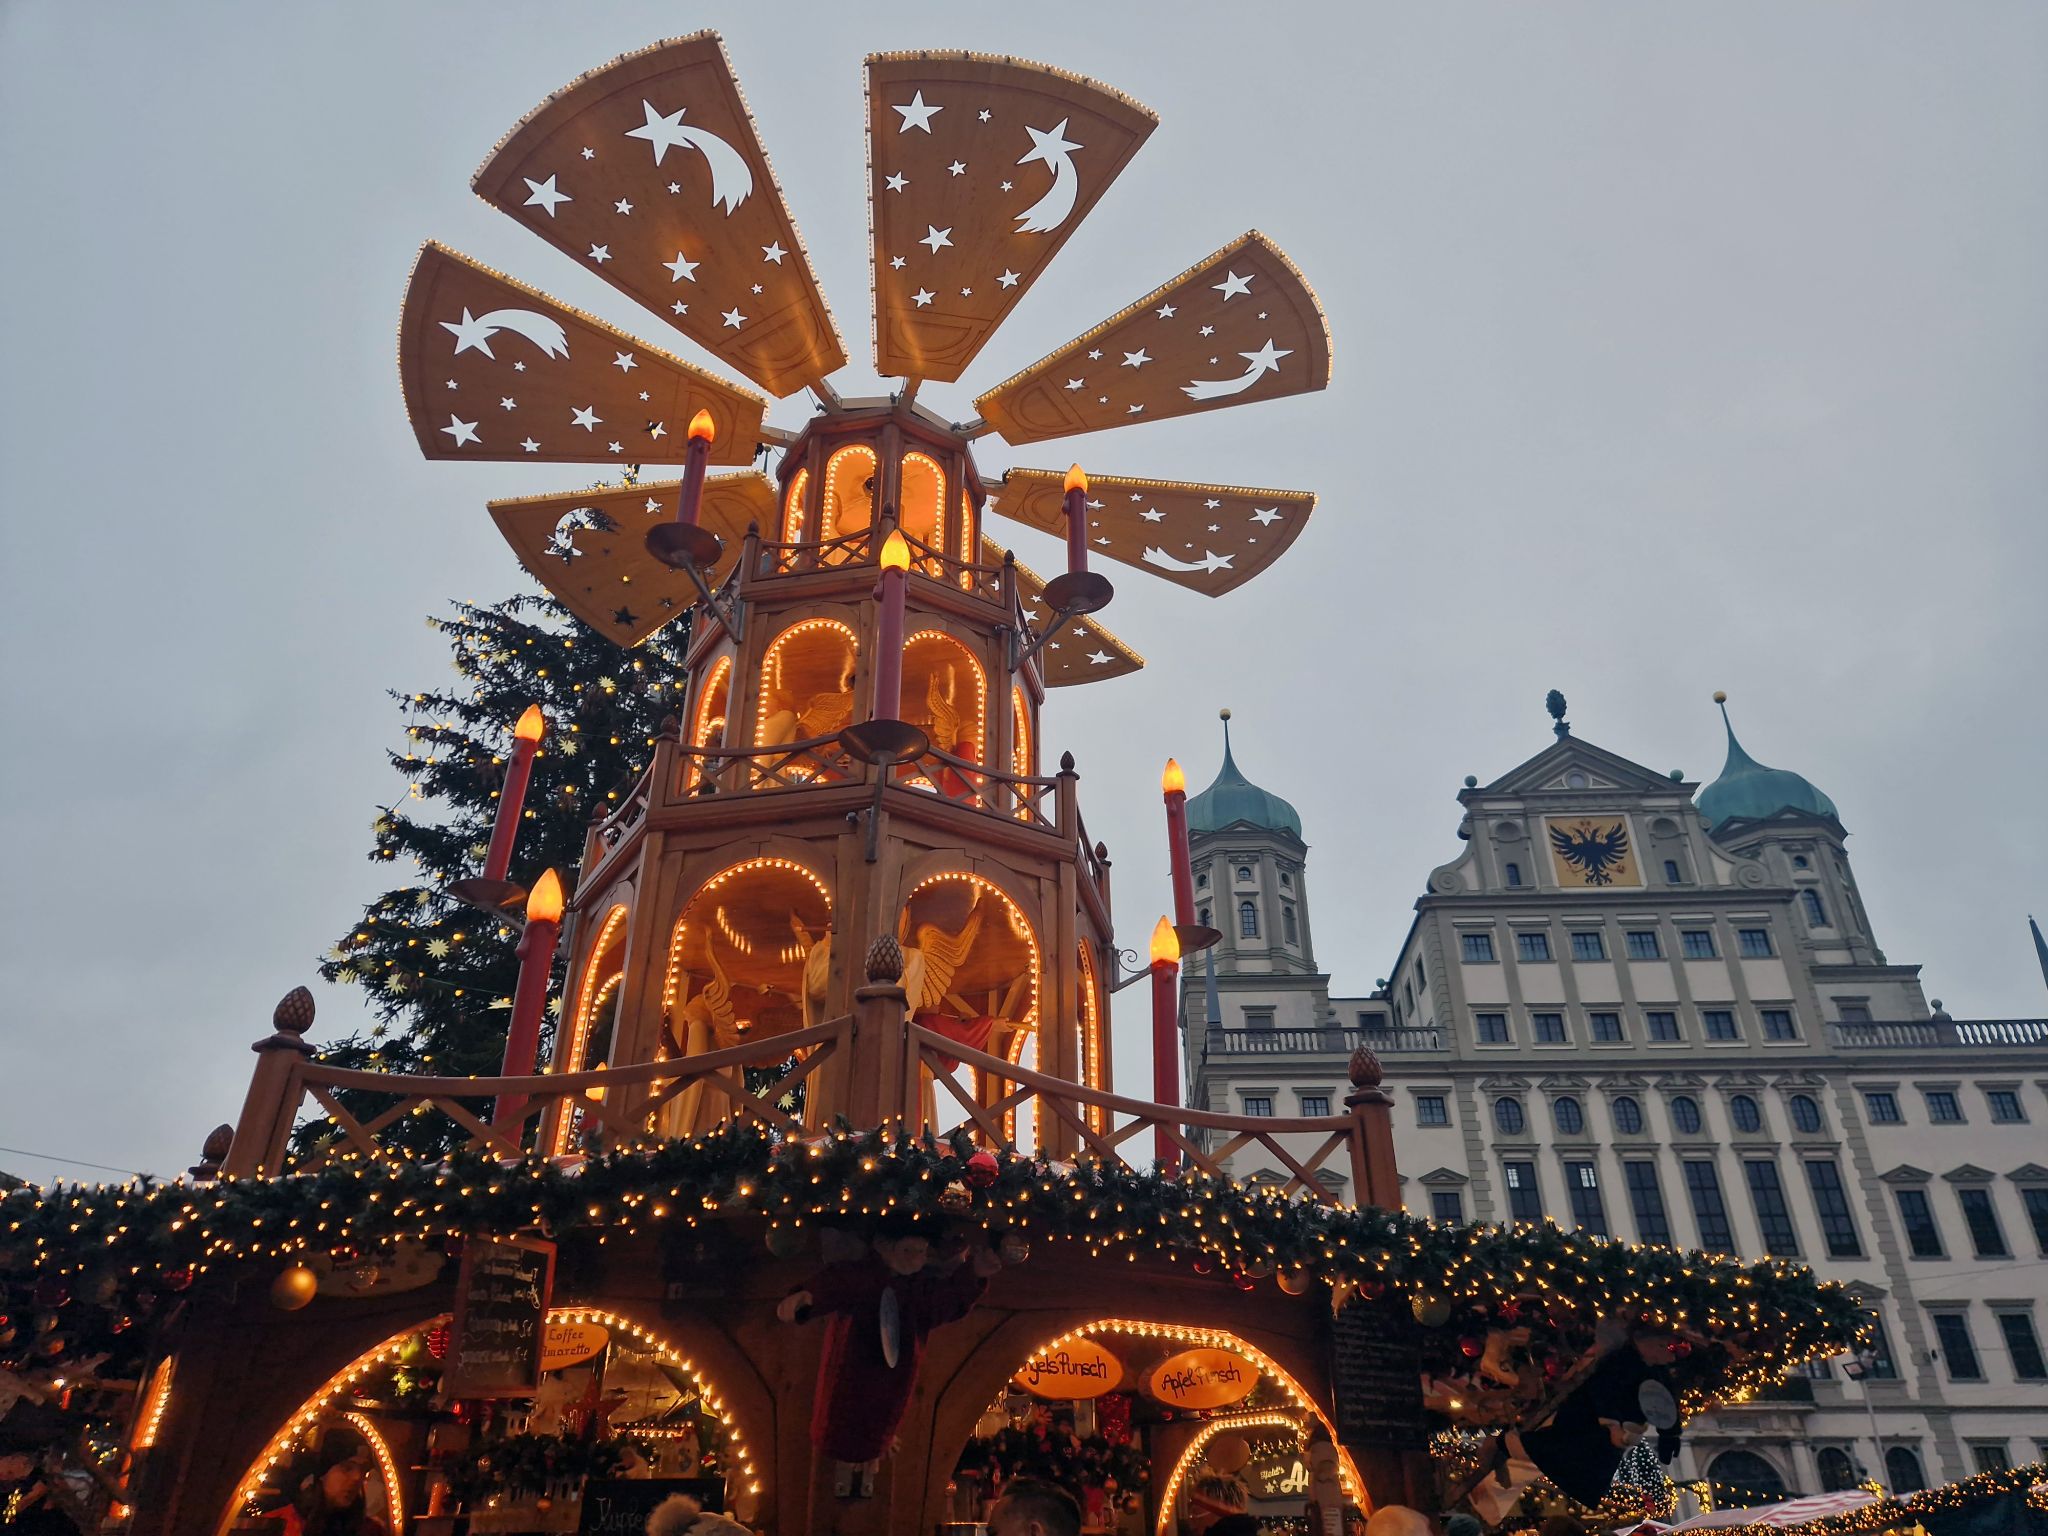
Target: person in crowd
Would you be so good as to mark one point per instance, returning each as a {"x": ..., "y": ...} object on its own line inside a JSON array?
[
  {"x": 684, "y": 1514},
  {"x": 1029, "y": 1507},
  {"x": 333, "y": 1500}
]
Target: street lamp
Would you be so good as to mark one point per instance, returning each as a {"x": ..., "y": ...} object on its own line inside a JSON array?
[{"x": 1860, "y": 1365}]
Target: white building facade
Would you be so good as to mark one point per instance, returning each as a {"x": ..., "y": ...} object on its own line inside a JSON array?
[{"x": 1659, "y": 1012}]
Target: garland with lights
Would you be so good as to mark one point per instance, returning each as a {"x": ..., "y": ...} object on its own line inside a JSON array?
[
  {"x": 439, "y": 974},
  {"x": 1928, "y": 1507}
]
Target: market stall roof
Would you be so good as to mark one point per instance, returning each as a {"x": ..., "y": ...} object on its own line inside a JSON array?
[{"x": 1792, "y": 1512}]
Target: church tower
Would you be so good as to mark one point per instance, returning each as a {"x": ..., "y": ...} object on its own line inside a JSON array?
[{"x": 1250, "y": 875}]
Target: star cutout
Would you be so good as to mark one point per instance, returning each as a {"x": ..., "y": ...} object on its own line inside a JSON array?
[
  {"x": 1076, "y": 383},
  {"x": 1153, "y": 515},
  {"x": 471, "y": 332},
  {"x": 1050, "y": 146},
  {"x": 623, "y": 206},
  {"x": 966, "y": 293},
  {"x": 462, "y": 431},
  {"x": 773, "y": 253},
  {"x": 1137, "y": 495},
  {"x": 1007, "y": 280},
  {"x": 937, "y": 238},
  {"x": 1135, "y": 410},
  {"x": 733, "y": 319},
  {"x": 624, "y": 362},
  {"x": 1232, "y": 285},
  {"x": 1166, "y": 311},
  {"x": 643, "y": 394},
  {"x": 589, "y": 154},
  {"x": 1212, "y": 503},
  {"x": 1095, "y": 356},
  {"x": 1265, "y": 515},
  {"x": 675, "y": 186},
  {"x": 1267, "y": 358},
  {"x": 545, "y": 195},
  {"x": 453, "y": 385},
  {"x": 1208, "y": 330},
  {"x": 519, "y": 367},
  {"x": 614, "y": 447},
  {"x": 652, "y": 505},
  {"x": 895, "y": 263},
  {"x": 982, "y": 115},
  {"x": 664, "y": 133},
  {"x": 1006, "y": 186},
  {"x": 916, "y": 114},
  {"x": 600, "y": 254},
  {"x": 1099, "y": 658},
  {"x": 658, "y": 431},
  {"x": 586, "y": 418},
  {"x": 1102, "y": 399},
  {"x": 897, "y": 182},
  {"x": 957, "y": 168},
  {"x": 1137, "y": 359},
  {"x": 509, "y": 403},
  {"x": 923, "y": 296},
  {"x": 1215, "y": 527},
  {"x": 682, "y": 267},
  {"x": 624, "y": 616},
  {"x": 755, "y": 289},
  {"x": 679, "y": 307}
]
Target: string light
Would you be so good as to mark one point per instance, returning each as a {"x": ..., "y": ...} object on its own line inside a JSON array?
[
  {"x": 1191, "y": 1458},
  {"x": 387, "y": 1468}
]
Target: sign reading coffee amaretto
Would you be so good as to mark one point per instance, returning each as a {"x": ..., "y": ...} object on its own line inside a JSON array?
[
  {"x": 1079, "y": 1368},
  {"x": 1202, "y": 1378}
]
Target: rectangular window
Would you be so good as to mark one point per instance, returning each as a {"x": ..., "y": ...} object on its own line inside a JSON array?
[
  {"x": 1646, "y": 1199},
  {"x": 1853, "y": 1013},
  {"x": 1773, "y": 1215},
  {"x": 1258, "y": 1104},
  {"x": 1982, "y": 1218},
  {"x": 1816, "y": 912},
  {"x": 2035, "y": 1200},
  {"x": 1287, "y": 928},
  {"x": 1549, "y": 1028},
  {"x": 1447, "y": 1205},
  {"x": 1408, "y": 995},
  {"x": 1754, "y": 943},
  {"x": 2023, "y": 1346},
  {"x": 1883, "y": 1108},
  {"x": 1532, "y": 946},
  {"x": 1719, "y": 1024},
  {"x": 1477, "y": 948},
  {"x": 1606, "y": 1026},
  {"x": 1525, "y": 1201},
  {"x": 1491, "y": 1028},
  {"x": 1990, "y": 1456},
  {"x": 1697, "y": 943},
  {"x": 1958, "y": 1349},
  {"x": 1588, "y": 1214},
  {"x": 1831, "y": 1204},
  {"x": 1778, "y": 1024},
  {"x": 1916, "y": 1215},
  {"x": 1663, "y": 1024},
  {"x": 1259, "y": 1018},
  {"x": 1589, "y": 946},
  {"x": 1643, "y": 945},
  {"x": 1943, "y": 1107},
  {"x": 1372, "y": 1021},
  {"x": 2005, "y": 1105},
  {"x": 1431, "y": 1109},
  {"x": 1314, "y": 1105},
  {"x": 1883, "y": 1367},
  {"x": 1703, "y": 1189}
]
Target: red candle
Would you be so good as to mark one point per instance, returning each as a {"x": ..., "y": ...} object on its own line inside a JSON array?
[
  {"x": 694, "y": 459},
  {"x": 1077, "y": 521},
  {"x": 1175, "y": 784},
  {"x": 889, "y": 628},
  {"x": 1165, "y": 1037},
  {"x": 526, "y": 737},
  {"x": 530, "y": 1000}
]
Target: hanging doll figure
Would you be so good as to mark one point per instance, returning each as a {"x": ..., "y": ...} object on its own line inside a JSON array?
[{"x": 882, "y": 1306}]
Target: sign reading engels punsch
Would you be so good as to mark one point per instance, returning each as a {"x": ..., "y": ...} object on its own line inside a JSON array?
[{"x": 1079, "y": 1368}]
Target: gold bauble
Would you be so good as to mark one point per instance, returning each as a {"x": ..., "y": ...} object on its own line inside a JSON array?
[{"x": 294, "y": 1288}]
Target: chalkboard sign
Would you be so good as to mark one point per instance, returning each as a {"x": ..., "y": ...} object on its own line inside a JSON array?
[
  {"x": 501, "y": 1313},
  {"x": 620, "y": 1507},
  {"x": 1376, "y": 1377}
]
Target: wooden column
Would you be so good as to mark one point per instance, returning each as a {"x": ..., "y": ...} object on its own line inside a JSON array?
[
  {"x": 1377, "y": 1181},
  {"x": 272, "y": 1104}
]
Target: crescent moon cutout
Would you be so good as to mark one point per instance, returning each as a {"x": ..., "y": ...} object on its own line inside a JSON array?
[
  {"x": 731, "y": 177},
  {"x": 1210, "y": 561}
]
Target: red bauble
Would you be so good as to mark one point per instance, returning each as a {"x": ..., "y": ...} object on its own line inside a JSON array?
[
  {"x": 1201, "y": 1266},
  {"x": 1242, "y": 1281},
  {"x": 177, "y": 1279},
  {"x": 1552, "y": 1368},
  {"x": 1372, "y": 1290},
  {"x": 437, "y": 1341},
  {"x": 1471, "y": 1348},
  {"x": 52, "y": 1291},
  {"x": 1680, "y": 1348},
  {"x": 983, "y": 1169}
]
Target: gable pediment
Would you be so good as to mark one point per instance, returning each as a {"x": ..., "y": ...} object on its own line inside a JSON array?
[
  {"x": 1969, "y": 1173},
  {"x": 1863, "y": 1290},
  {"x": 1614, "y": 1080},
  {"x": 1444, "y": 1176},
  {"x": 1552, "y": 771},
  {"x": 1680, "y": 1080},
  {"x": 1500, "y": 1084},
  {"x": 2029, "y": 1173},
  {"x": 1563, "y": 1080},
  {"x": 1906, "y": 1173},
  {"x": 1799, "y": 1080},
  {"x": 1739, "y": 1080}
]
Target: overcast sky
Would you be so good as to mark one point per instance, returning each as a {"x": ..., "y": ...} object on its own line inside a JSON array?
[{"x": 1677, "y": 347}]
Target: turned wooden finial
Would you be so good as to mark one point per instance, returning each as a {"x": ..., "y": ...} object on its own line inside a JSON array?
[
  {"x": 213, "y": 1153},
  {"x": 671, "y": 727},
  {"x": 885, "y": 960},
  {"x": 1066, "y": 762},
  {"x": 1366, "y": 1071},
  {"x": 293, "y": 1014}
]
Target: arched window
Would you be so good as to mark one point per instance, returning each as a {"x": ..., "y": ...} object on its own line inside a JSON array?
[
  {"x": 1902, "y": 1471},
  {"x": 1816, "y": 912},
  {"x": 849, "y": 491},
  {"x": 922, "y": 513},
  {"x": 1202, "y": 881},
  {"x": 1247, "y": 920},
  {"x": 1628, "y": 1116},
  {"x": 1743, "y": 1111},
  {"x": 1671, "y": 874},
  {"x": 1022, "y": 762},
  {"x": 1799, "y": 861},
  {"x": 1244, "y": 871},
  {"x": 1569, "y": 1117},
  {"x": 806, "y": 683},
  {"x": 1837, "y": 1471},
  {"x": 1508, "y": 1118},
  {"x": 1805, "y": 1112},
  {"x": 1514, "y": 874},
  {"x": 1743, "y": 1479},
  {"x": 794, "y": 507},
  {"x": 1287, "y": 878},
  {"x": 1202, "y": 917},
  {"x": 1685, "y": 1114},
  {"x": 942, "y": 692},
  {"x": 1287, "y": 927}
]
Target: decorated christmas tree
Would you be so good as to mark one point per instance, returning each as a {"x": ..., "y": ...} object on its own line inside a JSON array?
[{"x": 439, "y": 974}]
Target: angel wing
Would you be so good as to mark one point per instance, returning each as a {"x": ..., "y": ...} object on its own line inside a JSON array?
[
  {"x": 713, "y": 1002},
  {"x": 826, "y": 713},
  {"x": 945, "y": 716},
  {"x": 942, "y": 954}
]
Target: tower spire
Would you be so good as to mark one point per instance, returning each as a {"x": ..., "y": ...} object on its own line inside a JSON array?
[{"x": 2040, "y": 946}]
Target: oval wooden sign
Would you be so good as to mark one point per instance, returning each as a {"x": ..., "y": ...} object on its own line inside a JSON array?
[
  {"x": 1079, "y": 1368},
  {"x": 1202, "y": 1378},
  {"x": 566, "y": 1344}
]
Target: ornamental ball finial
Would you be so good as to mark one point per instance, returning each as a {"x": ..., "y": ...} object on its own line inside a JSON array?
[
  {"x": 1366, "y": 1071},
  {"x": 885, "y": 959},
  {"x": 1471, "y": 781},
  {"x": 1720, "y": 696},
  {"x": 218, "y": 1141},
  {"x": 1223, "y": 714},
  {"x": 293, "y": 1014}
]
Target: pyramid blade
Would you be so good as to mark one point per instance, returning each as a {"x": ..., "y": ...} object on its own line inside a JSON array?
[
  {"x": 1207, "y": 538},
  {"x": 979, "y": 169},
  {"x": 589, "y": 547},
  {"x": 1242, "y": 325},
  {"x": 1083, "y": 651},
  {"x": 650, "y": 173},
  {"x": 490, "y": 366}
]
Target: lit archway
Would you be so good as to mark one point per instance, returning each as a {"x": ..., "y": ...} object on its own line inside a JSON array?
[
  {"x": 849, "y": 492},
  {"x": 1198, "y": 1448},
  {"x": 596, "y": 1012},
  {"x": 336, "y": 1402},
  {"x": 921, "y": 512},
  {"x": 1089, "y": 1011},
  {"x": 794, "y": 507},
  {"x": 944, "y": 693},
  {"x": 806, "y": 688},
  {"x": 972, "y": 968}
]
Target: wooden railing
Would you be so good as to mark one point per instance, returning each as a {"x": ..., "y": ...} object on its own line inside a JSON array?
[
  {"x": 1017, "y": 796},
  {"x": 757, "y": 770},
  {"x": 814, "y": 554}
]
